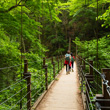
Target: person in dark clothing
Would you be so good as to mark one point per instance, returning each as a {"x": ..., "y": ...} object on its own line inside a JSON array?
[
  {"x": 67, "y": 61},
  {"x": 72, "y": 62}
]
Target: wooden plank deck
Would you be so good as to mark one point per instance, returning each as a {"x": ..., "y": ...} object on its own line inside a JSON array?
[{"x": 64, "y": 93}]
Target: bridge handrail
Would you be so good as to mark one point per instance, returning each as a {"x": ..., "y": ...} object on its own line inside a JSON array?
[
  {"x": 86, "y": 81},
  {"x": 15, "y": 65},
  {"x": 56, "y": 67},
  {"x": 14, "y": 84},
  {"x": 104, "y": 98},
  {"x": 105, "y": 82}
]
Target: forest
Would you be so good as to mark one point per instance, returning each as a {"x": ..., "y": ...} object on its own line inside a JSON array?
[{"x": 33, "y": 29}]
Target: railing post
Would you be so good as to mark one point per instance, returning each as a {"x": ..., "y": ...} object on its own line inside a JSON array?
[
  {"x": 46, "y": 77},
  {"x": 90, "y": 75},
  {"x": 90, "y": 68},
  {"x": 53, "y": 63},
  {"x": 28, "y": 75},
  {"x": 25, "y": 66},
  {"x": 106, "y": 71}
]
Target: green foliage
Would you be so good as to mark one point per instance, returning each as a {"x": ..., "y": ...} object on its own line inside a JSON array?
[
  {"x": 106, "y": 18},
  {"x": 76, "y": 5},
  {"x": 84, "y": 23},
  {"x": 88, "y": 49},
  {"x": 37, "y": 23}
]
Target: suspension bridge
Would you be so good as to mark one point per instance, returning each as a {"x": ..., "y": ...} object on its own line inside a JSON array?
[{"x": 49, "y": 88}]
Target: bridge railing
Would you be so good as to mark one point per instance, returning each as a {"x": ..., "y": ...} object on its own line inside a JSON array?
[
  {"x": 95, "y": 96},
  {"x": 26, "y": 92}
]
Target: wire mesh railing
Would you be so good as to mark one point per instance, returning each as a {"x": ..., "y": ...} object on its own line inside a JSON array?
[{"x": 22, "y": 93}]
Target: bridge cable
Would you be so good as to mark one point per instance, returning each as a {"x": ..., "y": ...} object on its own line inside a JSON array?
[
  {"x": 16, "y": 65},
  {"x": 14, "y": 84},
  {"x": 105, "y": 82},
  {"x": 14, "y": 95}
]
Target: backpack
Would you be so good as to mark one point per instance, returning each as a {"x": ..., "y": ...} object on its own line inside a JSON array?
[
  {"x": 67, "y": 58},
  {"x": 72, "y": 59}
]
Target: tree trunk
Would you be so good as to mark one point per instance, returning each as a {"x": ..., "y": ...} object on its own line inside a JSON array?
[
  {"x": 69, "y": 44},
  {"x": 66, "y": 32},
  {"x": 39, "y": 30},
  {"x": 56, "y": 30}
]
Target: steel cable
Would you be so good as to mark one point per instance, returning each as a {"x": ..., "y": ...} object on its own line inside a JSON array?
[
  {"x": 15, "y": 65},
  {"x": 20, "y": 100},
  {"x": 88, "y": 105},
  {"x": 13, "y": 95},
  {"x": 37, "y": 82},
  {"x": 25, "y": 104},
  {"x": 14, "y": 84},
  {"x": 105, "y": 82},
  {"x": 10, "y": 67},
  {"x": 89, "y": 99},
  {"x": 37, "y": 92}
]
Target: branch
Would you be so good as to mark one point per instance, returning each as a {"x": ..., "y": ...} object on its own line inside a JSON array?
[{"x": 4, "y": 11}]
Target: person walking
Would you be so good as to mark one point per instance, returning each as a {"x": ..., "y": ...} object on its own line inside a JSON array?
[
  {"x": 72, "y": 62},
  {"x": 67, "y": 62}
]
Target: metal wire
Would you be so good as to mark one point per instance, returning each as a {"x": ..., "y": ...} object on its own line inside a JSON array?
[
  {"x": 37, "y": 92},
  {"x": 37, "y": 82},
  {"x": 29, "y": 108},
  {"x": 105, "y": 82},
  {"x": 98, "y": 85},
  {"x": 88, "y": 96},
  {"x": 38, "y": 77},
  {"x": 38, "y": 71},
  {"x": 20, "y": 100},
  {"x": 92, "y": 87},
  {"x": 10, "y": 67},
  {"x": 103, "y": 100},
  {"x": 105, "y": 107},
  {"x": 14, "y": 84},
  {"x": 89, "y": 87},
  {"x": 86, "y": 79},
  {"x": 14, "y": 94},
  {"x": 15, "y": 65},
  {"x": 33, "y": 62},
  {"x": 19, "y": 82},
  {"x": 25, "y": 104},
  {"x": 36, "y": 85},
  {"x": 88, "y": 104},
  {"x": 98, "y": 106}
]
